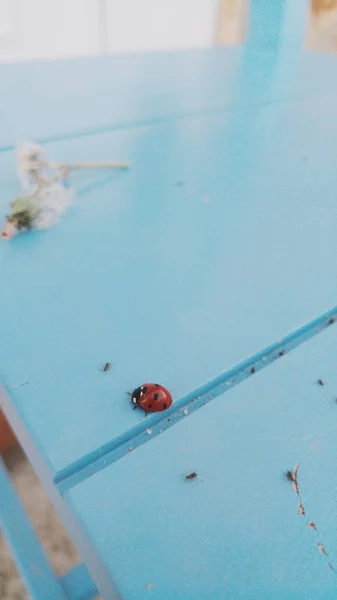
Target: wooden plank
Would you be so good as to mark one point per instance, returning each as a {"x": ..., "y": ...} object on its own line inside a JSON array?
[{"x": 239, "y": 530}]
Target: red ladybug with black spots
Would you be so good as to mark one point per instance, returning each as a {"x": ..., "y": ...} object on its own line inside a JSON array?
[{"x": 151, "y": 397}]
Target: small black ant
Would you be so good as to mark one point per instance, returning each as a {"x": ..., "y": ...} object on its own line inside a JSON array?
[
  {"x": 252, "y": 370},
  {"x": 192, "y": 475},
  {"x": 320, "y": 381},
  {"x": 331, "y": 320},
  {"x": 281, "y": 353},
  {"x": 106, "y": 367}
]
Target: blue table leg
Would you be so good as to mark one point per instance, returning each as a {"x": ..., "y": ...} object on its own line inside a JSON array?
[
  {"x": 278, "y": 24},
  {"x": 78, "y": 584},
  {"x": 38, "y": 576}
]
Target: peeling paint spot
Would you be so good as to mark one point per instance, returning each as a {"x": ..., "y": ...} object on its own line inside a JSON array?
[
  {"x": 301, "y": 510},
  {"x": 322, "y": 549}
]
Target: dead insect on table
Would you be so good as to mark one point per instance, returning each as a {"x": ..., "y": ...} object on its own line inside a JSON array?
[
  {"x": 192, "y": 475},
  {"x": 320, "y": 381},
  {"x": 106, "y": 367},
  {"x": 290, "y": 475}
]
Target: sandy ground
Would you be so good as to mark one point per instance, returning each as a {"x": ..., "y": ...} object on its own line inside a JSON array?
[{"x": 322, "y": 35}]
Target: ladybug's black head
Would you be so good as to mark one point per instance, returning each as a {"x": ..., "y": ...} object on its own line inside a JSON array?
[{"x": 136, "y": 395}]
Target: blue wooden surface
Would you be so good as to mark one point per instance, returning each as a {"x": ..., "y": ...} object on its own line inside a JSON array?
[
  {"x": 234, "y": 532},
  {"x": 174, "y": 283},
  {"x": 156, "y": 423},
  {"x": 218, "y": 242},
  {"x": 83, "y": 96}
]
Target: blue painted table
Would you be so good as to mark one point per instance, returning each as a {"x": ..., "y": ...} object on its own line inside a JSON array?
[{"x": 208, "y": 260}]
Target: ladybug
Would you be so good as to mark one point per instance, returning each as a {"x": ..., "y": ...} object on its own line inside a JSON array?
[{"x": 151, "y": 397}]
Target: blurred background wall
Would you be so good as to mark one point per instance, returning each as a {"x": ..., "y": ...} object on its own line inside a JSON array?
[
  {"x": 45, "y": 29},
  {"x": 322, "y": 31},
  {"x": 40, "y": 29}
]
